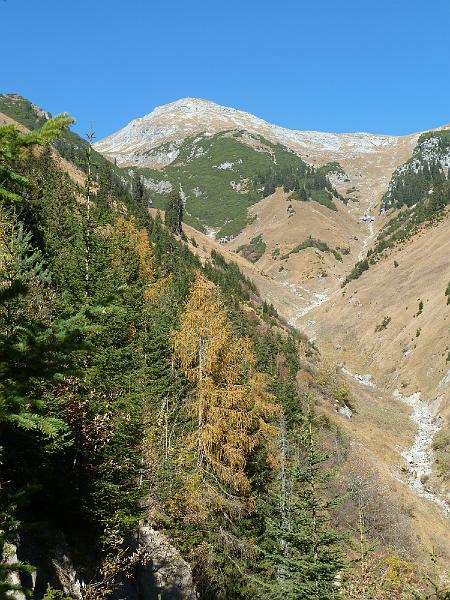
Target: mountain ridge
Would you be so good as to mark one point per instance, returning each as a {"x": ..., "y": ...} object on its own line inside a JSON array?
[{"x": 188, "y": 115}]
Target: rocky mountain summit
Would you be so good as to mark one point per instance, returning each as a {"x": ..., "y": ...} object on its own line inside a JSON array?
[{"x": 174, "y": 122}]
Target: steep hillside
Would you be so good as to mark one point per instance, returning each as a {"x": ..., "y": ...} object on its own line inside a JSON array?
[
  {"x": 388, "y": 327},
  {"x": 381, "y": 429},
  {"x": 159, "y": 416},
  {"x": 220, "y": 176},
  {"x": 426, "y": 170},
  {"x": 69, "y": 146}
]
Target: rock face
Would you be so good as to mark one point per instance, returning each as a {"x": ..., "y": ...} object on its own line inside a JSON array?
[
  {"x": 13, "y": 578},
  {"x": 164, "y": 576},
  {"x": 49, "y": 554},
  {"x": 168, "y": 576}
]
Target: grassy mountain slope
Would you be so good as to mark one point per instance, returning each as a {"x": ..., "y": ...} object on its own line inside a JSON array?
[
  {"x": 220, "y": 176},
  {"x": 381, "y": 427},
  {"x": 417, "y": 196}
]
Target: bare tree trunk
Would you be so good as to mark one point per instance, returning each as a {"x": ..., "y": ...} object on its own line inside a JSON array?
[
  {"x": 87, "y": 256},
  {"x": 201, "y": 357}
]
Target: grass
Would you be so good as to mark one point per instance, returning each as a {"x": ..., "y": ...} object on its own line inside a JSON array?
[
  {"x": 426, "y": 213},
  {"x": 21, "y": 110}
]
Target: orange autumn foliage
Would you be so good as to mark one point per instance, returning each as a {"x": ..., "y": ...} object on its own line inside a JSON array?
[{"x": 231, "y": 404}]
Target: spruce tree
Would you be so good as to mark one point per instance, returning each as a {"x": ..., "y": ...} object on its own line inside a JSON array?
[
  {"x": 174, "y": 214},
  {"x": 301, "y": 547}
]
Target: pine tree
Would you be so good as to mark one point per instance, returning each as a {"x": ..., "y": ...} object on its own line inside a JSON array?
[
  {"x": 137, "y": 190},
  {"x": 106, "y": 189},
  {"x": 174, "y": 214},
  {"x": 301, "y": 548}
]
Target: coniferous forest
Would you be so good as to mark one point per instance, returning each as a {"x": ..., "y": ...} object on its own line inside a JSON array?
[{"x": 141, "y": 388}]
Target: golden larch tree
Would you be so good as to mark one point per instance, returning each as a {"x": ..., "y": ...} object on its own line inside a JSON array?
[
  {"x": 128, "y": 236},
  {"x": 231, "y": 405}
]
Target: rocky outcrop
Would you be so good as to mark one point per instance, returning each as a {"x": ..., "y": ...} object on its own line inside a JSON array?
[{"x": 166, "y": 573}]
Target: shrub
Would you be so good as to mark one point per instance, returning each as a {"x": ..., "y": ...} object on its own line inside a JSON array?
[
  {"x": 357, "y": 271},
  {"x": 384, "y": 323}
]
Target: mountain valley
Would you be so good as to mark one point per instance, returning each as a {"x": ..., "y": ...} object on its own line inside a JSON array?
[
  {"x": 299, "y": 251},
  {"x": 342, "y": 242}
]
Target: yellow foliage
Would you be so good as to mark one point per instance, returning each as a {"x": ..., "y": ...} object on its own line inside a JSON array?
[
  {"x": 231, "y": 404},
  {"x": 398, "y": 571},
  {"x": 137, "y": 241},
  {"x": 381, "y": 577}
]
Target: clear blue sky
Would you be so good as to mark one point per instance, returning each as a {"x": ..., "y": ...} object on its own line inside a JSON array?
[{"x": 349, "y": 65}]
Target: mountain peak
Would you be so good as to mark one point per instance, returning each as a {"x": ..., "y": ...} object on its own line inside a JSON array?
[
  {"x": 174, "y": 122},
  {"x": 194, "y": 107},
  {"x": 188, "y": 104}
]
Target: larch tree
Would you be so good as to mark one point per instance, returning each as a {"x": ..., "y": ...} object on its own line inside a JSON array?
[{"x": 231, "y": 405}]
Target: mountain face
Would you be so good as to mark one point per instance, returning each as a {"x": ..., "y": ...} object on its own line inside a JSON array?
[
  {"x": 305, "y": 207},
  {"x": 212, "y": 153},
  {"x": 172, "y": 123},
  {"x": 427, "y": 169}
]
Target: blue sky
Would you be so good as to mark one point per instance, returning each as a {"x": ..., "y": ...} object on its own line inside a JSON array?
[{"x": 348, "y": 65}]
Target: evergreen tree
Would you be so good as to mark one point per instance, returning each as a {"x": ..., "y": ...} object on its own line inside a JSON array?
[
  {"x": 13, "y": 145},
  {"x": 36, "y": 349},
  {"x": 106, "y": 190},
  {"x": 174, "y": 214},
  {"x": 301, "y": 548},
  {"x": 137, "y": 190}
]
